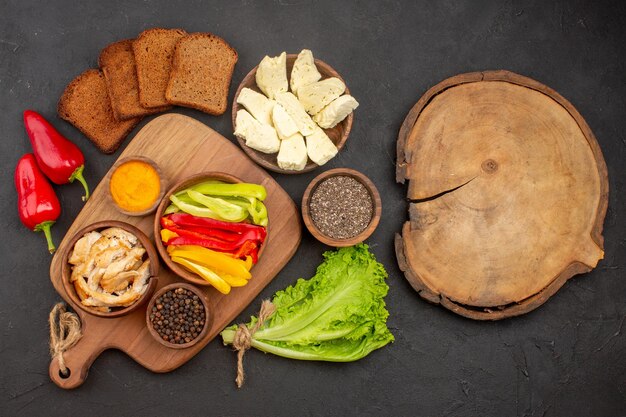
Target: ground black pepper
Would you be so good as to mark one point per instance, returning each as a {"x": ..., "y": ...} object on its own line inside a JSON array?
[
  {"x": 178, "y": 316},
  {"x": 341, "y": 207}
]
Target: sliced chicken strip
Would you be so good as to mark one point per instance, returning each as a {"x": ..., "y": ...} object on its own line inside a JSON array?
[
  {"x": 81, "y": 294},
  {"x": 125, "y": 263},
  {"x": 120, "y": 234},
  {"x": 139, "y": 285},
  {"x": 94, "y": 277},
  {"x": 119, "y": 282},
  {"x": 97, "y": 299},
  {"x": 82, "y": 247}
]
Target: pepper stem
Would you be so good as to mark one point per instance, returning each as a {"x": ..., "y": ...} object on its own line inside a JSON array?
[
  {"x": 45, "y": 228},
  {"x": 78, "y": 175}
]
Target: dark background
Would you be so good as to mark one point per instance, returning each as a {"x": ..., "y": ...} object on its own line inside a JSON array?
[{"x": 566, "y": 358}]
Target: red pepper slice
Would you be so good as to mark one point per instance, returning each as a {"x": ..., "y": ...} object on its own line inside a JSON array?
[
  {"x": 250, "y": 248},
  {"x": 37, "y": 204},
  {"x": 237, "y": 239},
  {"x": 170, "y": 225},
  {"x": 184, "y": 219},
  {"x": 240, "y": 244},
  {"x": 216, "y": 233},
  {"x": 58, "y": 158},
  {"x": 252, "y": 234}
]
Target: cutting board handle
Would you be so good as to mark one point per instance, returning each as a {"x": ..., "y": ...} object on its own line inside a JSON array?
[{"x": 78, "y": 358}]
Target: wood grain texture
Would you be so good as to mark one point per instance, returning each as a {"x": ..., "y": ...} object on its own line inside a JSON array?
[
  {"x": 376, "y": 212},
  {"x": 338, "y": 134},
  {"x": 182, "y": 147},
  {"x": 508, "y": 190}
]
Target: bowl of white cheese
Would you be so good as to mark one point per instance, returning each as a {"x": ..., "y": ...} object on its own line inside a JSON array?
[{"x": 292, "y": 113}]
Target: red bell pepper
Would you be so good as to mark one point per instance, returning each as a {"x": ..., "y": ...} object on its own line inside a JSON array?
[
  {"x": 58, "y": 158},
  {"x": 216, "y": 233},
  {"x": 238, "y": 239},
  {"x": 184, "y": 220},
  {"x": 249, "y": 248},
  {"x": 222, "y": 236},
  {"x": 252, "y": 234},
  {"x": 37, "y": 204}
]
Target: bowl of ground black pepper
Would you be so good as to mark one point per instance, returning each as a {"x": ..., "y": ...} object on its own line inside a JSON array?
[
  {"x": 178, "y": 316},
  {"x": 341, "y": 207}
]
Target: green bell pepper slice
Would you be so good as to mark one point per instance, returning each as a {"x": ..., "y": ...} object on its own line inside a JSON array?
[
  {"x": 195, "y": 210},
  {"x": 224, "y": 209},
  {"x": 244, "y": 190}
]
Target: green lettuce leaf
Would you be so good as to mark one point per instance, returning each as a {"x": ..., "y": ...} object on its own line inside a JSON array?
[{"x": 339, "y": 315}]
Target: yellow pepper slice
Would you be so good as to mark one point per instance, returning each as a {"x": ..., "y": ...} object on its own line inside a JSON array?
[
  {"x": 210, "y": 276},
  {"x": 248, "y": 262},
  {"x": 211, "y": 259},
  {"x": 166, "y": 235},
  {"x": 231, "y": 280}
]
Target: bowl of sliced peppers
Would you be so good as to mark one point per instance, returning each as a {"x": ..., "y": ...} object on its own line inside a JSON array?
[{"x": 210, "y": 229}]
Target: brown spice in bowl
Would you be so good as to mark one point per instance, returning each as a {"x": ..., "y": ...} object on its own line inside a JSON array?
[{"x": 341, "y": 207}]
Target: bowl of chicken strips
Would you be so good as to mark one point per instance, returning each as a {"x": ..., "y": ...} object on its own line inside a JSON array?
[{"x": 110, "y": 269}]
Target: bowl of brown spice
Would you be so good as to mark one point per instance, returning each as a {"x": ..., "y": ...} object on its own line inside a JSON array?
[
  {"x": 341, "y": 207},
  {"x": 178, "y": 316}
]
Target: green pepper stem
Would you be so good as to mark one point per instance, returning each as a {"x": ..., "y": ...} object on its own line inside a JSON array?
[
  {"x": 78, "y": 175},
  {"x": 45, "y": 228}
]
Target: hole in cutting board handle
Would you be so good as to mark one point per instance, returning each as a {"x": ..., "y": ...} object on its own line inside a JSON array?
[{"x": 65, "y": 375}]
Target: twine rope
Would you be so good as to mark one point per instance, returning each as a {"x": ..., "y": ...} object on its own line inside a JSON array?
[
  {"x": 243, "y": 337},
  {"x": 64, "y": 333}
]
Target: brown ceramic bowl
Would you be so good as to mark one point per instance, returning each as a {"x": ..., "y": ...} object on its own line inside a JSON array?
[
  {"x": 162, "y": 185},
  {"x": 185, "y": 183},
  {"x": 310, "y": 224},
  {"x": 338, "y": 134},
  {"x": 150, "y": 253},
  {"x": 207, "y": 321}
]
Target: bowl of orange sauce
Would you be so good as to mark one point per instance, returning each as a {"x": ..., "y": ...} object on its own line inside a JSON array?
[{"x": 136, "y": 185}]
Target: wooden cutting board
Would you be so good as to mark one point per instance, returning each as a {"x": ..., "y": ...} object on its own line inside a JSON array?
[
  {"x": 507, "y": 194},
  {"x": 181, "y": 146}
]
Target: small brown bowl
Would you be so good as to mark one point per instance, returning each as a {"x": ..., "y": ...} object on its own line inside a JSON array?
[
  {"x": 185, "y": 183},
  {"x": 162, "y": 185},
  {"x": 152, "y": 281},
  {"x": 310, "y": 224},
  {"x": 338, "y": 134},
  {"x": 207, "y": 321}
]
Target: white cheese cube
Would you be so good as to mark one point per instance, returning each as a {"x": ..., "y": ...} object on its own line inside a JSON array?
[
  {"x": 319, "y": 147},
  {"x": 283, "y": 123},
  {"x": 292, "y": 155},
  {"x": 257, "y": 135},
  {"x": 271, "y": 75},
  {"x": 304, "y": 71},
  {"x": 257, "y": 104},
  {"x": 243, "y": 122},
  {"x": 314, "y": 97},
  {"x": 292, "y": 106},
  {"x": 336, "y": 111}
]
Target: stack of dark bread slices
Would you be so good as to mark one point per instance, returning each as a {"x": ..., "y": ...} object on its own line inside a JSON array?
[{"x": 148, "y": 75}]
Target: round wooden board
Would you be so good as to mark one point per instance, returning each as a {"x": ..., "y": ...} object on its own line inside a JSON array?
[{"x": 507, "y": 194}]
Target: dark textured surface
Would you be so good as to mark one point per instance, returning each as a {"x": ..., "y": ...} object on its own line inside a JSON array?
[{"x": 565, "y": 359}]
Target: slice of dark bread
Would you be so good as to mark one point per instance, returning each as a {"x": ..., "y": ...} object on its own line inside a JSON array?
[
  {"x": 117, "y": 62},
  {"x": 85, "y": 104},
  {"x": 201, "y": 72},
  {"x": 153, "y": 51}
]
